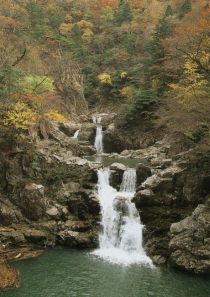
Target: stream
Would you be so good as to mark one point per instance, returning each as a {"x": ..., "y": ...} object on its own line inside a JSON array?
[{"x": 120, "y": 266}]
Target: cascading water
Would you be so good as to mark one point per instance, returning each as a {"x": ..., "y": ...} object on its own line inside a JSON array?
[
  {"x": 76, "y": 134},
  {"x": 99, "y": 135},
  {"x": 121, "y": 238}
]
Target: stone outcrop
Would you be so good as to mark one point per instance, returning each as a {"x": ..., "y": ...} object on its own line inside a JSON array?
[
  {"x": 190, "y": 242},
  {"x": 47, "y": 194},
  {"x": 170, "y": 195}
]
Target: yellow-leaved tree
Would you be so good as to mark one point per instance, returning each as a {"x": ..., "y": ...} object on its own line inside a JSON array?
[{"x": 192, "y": 87}]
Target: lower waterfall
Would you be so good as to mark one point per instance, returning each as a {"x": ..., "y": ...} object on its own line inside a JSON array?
[
  {"x": 121, "y": 237},
  {"x": 76, "y": 134}
]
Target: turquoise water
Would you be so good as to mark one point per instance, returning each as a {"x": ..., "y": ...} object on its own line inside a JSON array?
[
  {"x": 67, "y": 273},
  {"x": 107, "y": 161}
]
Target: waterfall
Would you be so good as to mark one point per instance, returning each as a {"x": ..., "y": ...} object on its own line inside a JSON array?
[
  {"x": 121, "y": 238},
  {"x": 76, "y": 134},
  {"x": 99, "y": 135}
]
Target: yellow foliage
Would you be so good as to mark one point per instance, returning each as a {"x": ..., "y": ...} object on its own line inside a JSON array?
[
  {"x": 55, "y": 116},
  {"x": 87, "y": 35},
  {"x": 105, "y": 78},
  {"x": 65, "y": 28},
  {"x": 123, "y": 74},
  {"x": 192, "y": 85},
  {"x": 20, "y": 116},
  {"x": 85, "y": 25},
  {"x": 68, "y": 18}
]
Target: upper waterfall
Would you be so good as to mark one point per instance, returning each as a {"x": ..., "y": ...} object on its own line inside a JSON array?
[
  {"x": 121, "y": 238},
  {"x": 99, "y": 135}
]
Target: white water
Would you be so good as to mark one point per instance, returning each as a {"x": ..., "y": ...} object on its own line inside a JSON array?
[
  {"x": 121, "y": 238},
  {"x": 76, "y": 134},
  {"x": 99, "y": 135}
]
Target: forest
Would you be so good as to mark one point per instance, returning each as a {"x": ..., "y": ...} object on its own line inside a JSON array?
[{"x": 149, "y": 61}]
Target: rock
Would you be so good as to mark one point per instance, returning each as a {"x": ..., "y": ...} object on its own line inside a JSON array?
[
  {"x": 126, "y": 153},
  {"x": 116, "y": 175},
  {"x": 32, "y": 202},
  {"x": 121, "y": 205},
  {"x": 106, "y": 118},
  {"x": 35, "y": 236},
  {"x": 144, "y": 198},
  {"x": 9, "y": 213},
  {"x": 142, "y": 173},
  {"x": 189, "y": 244},
  {"x": 53, "y": 212},
  {"x": 75, "y": 239},
  {"x": 158, "y": 184},
  {"x": 159, "y": 260},
  {"x": 69, "y": 128},
  {"x": 11, "y": 237},
  {"x": 87, "y": 132}
]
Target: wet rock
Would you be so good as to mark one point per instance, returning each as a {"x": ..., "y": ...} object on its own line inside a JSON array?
[
  {"x": 116, "y": 175},
  {"x": 69, "y": 128},
  {"x": 142, "y": 173},
  {"x": 121, "y": 206},
  {"x": 159, "y": 260},
  {"x": 118, "y": 167}
]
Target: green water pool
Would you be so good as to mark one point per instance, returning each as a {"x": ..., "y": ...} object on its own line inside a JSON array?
[{"x": 70, "y": 273}]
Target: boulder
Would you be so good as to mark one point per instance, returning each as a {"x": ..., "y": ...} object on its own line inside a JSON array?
[
  {"x": 32, "y": 201},
  {"x": 53, "y": 213},
  {"x": 142, "y": 173},
  {"x": 190, "y": 242},
  {"x": 116, "y": 175},
  {"x": 145, "y": 198}
]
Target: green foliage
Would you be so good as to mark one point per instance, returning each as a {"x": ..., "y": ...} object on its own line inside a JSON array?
[
  {"x": 140, "y": 108},
  {"x": 9, "y": 81},
  {"x": 124, "y": 13},
  {"x": 155, "y": 77},
  {"x": 185, "y": 8},
  {"x": 36, "y": 19},
  {"x": 37, "y": 85},
  {"x": 169, "y": 11}
]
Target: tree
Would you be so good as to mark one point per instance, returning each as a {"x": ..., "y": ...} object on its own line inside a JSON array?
[
  {"x": 124, "y": 13},
  {"x": 68, "y": 81},
  {"x": 185, "y": 8},
  {"x": 169, "y": 11},
  {"x": 192, "y": 85}
]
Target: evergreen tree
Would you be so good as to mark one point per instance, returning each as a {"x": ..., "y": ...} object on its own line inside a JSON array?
[
  {"x": 153, "y": 65},
  {"x": 169, "y": 11},
  {"x": 124, "y": 13},
  {"x": 185, "y": 8}
]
